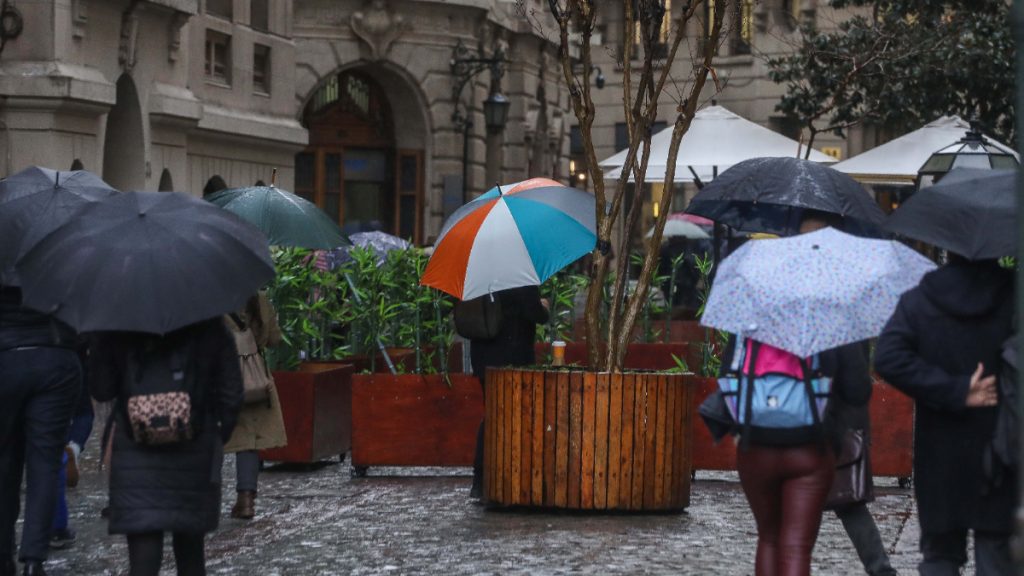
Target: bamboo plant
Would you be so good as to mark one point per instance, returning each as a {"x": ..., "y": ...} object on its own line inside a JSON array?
[{"x": 644, "y": 86}]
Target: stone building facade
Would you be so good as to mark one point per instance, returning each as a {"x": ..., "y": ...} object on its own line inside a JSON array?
[
  {"x": 351, "y": 100},
  {"x": 154, "y": 94},
  {"x": 356, "y": 103}
]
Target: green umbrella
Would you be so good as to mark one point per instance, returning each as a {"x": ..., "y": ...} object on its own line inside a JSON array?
[{"x": 286, "y": 219}]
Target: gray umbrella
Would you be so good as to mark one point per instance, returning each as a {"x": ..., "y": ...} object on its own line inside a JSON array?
[
  {"x": 770, "y": 194},
  {"x": 971, "y": 211},
  {"x": 145, "y": 262},
  {"x": 380, "y": 242},
  {"x": 34, "y": 202}
]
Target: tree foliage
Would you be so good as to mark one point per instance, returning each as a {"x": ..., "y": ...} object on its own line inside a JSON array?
[{"x": 902, "y": 64}]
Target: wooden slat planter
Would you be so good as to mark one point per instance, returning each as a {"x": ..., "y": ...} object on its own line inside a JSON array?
[{"x": 587, "y": 441}]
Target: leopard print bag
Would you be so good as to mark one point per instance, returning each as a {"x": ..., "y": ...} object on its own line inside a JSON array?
[{"x": 160, "y": 406}]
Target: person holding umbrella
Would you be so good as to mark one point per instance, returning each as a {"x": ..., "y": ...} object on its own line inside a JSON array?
[
  {"x": 148, "y": 276},
  {"x": 942, "y": 347},
  {"x": 499, "y": 248},
  {"x": 800, "y": 308},
  {"x": 40, "y": 373}
]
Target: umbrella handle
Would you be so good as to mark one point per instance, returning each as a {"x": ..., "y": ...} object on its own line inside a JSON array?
[{"x": 273, "y": 177}]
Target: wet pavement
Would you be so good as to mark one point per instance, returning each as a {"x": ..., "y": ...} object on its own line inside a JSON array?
[{"x": 319, "y": 520}]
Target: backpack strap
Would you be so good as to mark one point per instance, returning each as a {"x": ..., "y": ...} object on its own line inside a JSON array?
[
  {"x": 808, "y": 369},
  {"x": 746, "y": 377}
]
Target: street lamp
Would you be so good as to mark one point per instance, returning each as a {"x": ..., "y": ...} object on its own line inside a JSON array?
[
  {"x": 971, "y": 151},
  {"x": 465, "y": 66}
]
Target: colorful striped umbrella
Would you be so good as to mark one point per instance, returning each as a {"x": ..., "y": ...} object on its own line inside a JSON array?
[{"x": 514, "y": 235}]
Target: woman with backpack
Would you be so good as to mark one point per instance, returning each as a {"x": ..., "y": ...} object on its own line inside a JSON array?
[
  {"x": 942, "y": 348},
  {"x": 176, "y": 401},
  {"x": 260, "y": 423},
  {"x": 786, "y": 474}
]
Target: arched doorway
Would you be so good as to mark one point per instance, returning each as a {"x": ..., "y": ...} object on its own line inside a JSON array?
[
  {"x": 355, "y": 167},
  {"x": 166, "y": 182},
  {"x": 124, "y": 150}
]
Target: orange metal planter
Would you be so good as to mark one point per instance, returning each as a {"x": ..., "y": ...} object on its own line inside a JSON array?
[{"x": 316, "y": 403}]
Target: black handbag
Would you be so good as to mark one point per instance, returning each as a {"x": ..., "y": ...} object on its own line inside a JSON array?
[
  {"x": 853, "y": 483},
  {"x": 716, "y": 416}
]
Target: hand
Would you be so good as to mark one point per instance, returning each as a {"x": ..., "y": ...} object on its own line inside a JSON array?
[
  {"x": 544, "y": 302},
  {"x": 982, "y": 391}
]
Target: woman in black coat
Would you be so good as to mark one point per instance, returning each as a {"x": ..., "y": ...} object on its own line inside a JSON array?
[
  {"x": 941, "y": 347},
  {"x": 174, "y": 487}
]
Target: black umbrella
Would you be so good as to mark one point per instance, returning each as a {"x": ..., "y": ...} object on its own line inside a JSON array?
[
  {"x": 34, "y": 202},
  {"x": 971, "y": 211},
  {"x": 770, "y": 194},
  {"x": 145, "y": 262}
]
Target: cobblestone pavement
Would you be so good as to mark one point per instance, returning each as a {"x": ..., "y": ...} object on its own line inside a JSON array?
[{"x": 319, "y": 520}]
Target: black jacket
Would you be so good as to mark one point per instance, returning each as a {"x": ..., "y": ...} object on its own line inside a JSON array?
[
  {"x": 173, "y": 488},
  {"x": 20, "y": 326},
  {"x": 957, "y": 317},
  {"x": 521, "y": 311},
  {"x": 851, "y": 390}
]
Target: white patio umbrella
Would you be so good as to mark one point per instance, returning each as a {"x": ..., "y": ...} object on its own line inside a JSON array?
[
  {"x": 897, "y": 161},
  {"x": 682, "y": 229},
  {"x": 716, "y": 138}
]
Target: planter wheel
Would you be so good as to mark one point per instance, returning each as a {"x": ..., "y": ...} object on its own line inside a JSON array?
[
  {"x": 905, "y": 481},
  {"x": 359, "y": 471},
  {"x": 341, "y": 458}
]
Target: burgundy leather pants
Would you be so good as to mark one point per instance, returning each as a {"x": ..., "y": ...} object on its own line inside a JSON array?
[{"x": 786, "y": 489}]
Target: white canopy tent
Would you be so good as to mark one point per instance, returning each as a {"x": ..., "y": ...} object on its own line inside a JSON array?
[
  {"x": 896, "y": 162},
  {"x": 717, "y": 138}
]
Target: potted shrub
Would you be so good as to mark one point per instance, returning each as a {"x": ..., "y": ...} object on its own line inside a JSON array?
[
  {"x": 613, "y": 438},
  {"x": 423, "y": 415},
  {"x": 315, "y": 393}
]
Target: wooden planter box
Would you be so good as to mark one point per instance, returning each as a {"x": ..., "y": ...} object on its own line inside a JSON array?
[
  {"x": 414, "y": 420},
  {"x": 316, "y": 402},
  {"x": 587, "y": 441}
]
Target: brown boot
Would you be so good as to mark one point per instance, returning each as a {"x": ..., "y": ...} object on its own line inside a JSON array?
[{"x": 245, "y": 506}]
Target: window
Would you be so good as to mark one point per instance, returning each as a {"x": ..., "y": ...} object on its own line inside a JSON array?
[
  {"x": 743, "y": 30},
  {"x": 218, "y": 56},
  {"x": 737, "y": 25},
  {"x": 664, "y": 33},
  {"x": 259, "y": 15},
  {"x": 222, "y": 8},
  {"x": 261, "y": 69}
]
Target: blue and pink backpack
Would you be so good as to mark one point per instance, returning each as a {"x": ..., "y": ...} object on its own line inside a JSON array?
[{"x": 776, "y": 397}]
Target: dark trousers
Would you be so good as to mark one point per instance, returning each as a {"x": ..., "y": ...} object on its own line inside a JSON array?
[
  {"x": 478, "y": 455},
  {"x": 786, "y": 489},
  {"x": 146, "y": 552},
  {"x": 38, "y": 390},
  {"x": 863, "y": 532},
  {"x": 945, "y": 553},
  {"x": 247, "y": 470}
]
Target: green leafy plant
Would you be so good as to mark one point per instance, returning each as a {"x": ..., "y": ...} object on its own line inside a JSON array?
[
  {"x": 714, "y": 340},
  {"x": 310, "y": 303}
]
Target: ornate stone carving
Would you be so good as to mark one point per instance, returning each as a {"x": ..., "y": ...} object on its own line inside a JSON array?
[
  {"x": 379, "y": 27},
  {"x": 79, "y": 17},
  {"x": 178, "y": 22},
  {"x": 129, "y": 36}
]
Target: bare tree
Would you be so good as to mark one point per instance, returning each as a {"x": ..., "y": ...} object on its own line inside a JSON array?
[{"x": 642, "y": 90}]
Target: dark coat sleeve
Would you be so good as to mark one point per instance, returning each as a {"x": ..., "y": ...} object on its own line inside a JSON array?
[
  {"x": 227, "y": 376},
  {"x": 898, "y": 360},
  {"x": 530, "y": 306},
  {"x": 852, "y": 375}
]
